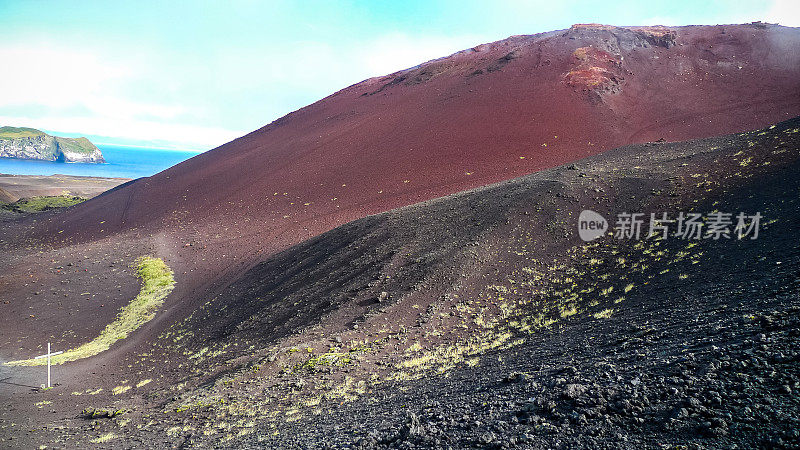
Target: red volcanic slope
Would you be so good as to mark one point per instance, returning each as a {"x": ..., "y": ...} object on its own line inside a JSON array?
[{"x": 485, "y": 114}]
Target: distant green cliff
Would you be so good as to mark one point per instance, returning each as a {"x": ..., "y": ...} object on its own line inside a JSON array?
[{"x": 29, "y": 143}]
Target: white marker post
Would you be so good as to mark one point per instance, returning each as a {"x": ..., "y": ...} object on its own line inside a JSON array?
[{"x": 48, "y": 355}]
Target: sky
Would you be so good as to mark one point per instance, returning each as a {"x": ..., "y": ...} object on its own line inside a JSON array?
[{"x": 194, "y": 75}]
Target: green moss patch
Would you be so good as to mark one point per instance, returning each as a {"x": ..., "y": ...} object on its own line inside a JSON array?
[
  {"x": 75, "y": 145},
  {"x": 157, "y": 283},
  {"x": 38, "y": 204},
  {"x": 18, "y": 132}
]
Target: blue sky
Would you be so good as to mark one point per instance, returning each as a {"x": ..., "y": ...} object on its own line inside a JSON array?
[{"x": 194, "y": 75}]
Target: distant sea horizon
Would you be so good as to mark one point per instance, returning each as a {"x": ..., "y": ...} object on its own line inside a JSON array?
[{"x": 122, "y": 161}]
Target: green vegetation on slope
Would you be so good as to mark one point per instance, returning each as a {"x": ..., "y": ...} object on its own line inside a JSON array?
[
  {"x": 157, "y": 283},
  {"x": 79, "y": 145},
  {"x": 39, "y": 204},
  {"x": 75, "y": 145},
  {"x": 18, "y": 132}
]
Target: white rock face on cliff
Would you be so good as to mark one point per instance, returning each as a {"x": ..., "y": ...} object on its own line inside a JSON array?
[
  {"x": 28, "y": 143},
  {"x": 38, "y": 147},
  {"x": 95, "y": 157},
  {"x": 79, "y": 150}
]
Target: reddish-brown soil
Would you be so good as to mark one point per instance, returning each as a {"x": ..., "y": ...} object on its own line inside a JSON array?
[
  {"x": 483, "y": 115},
  {"x": 490, "y": 113}
]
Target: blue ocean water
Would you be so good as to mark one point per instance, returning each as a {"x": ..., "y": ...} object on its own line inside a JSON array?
[{"x": 121, "y": 161}]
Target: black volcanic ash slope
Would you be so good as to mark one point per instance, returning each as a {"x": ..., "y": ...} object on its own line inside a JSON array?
[{"x": 611, "y": 343}]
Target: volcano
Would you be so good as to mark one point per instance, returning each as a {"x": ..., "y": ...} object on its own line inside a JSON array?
[
  {"x": 317, "y": 242},
  {"x": 489, "y": 113}
]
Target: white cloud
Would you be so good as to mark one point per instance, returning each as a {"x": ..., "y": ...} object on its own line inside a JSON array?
[
  {"x": 393, "y": 52},
  {"x": 784, "y": 12},
  {"x": 322, "y": 68},
  {"x": 38, "y": 74},
  {"x": 176, "y": 135},
  {"x": 176, "y": 98},
  {"x": 86, "y": 91},
  {"x": 58, "y": 77}
]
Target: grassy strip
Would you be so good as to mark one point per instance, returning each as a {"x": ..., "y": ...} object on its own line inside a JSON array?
[
  {"x": 157, "y": 283},
  {"x": 75, "y": 145},
  {"x": 38, "y": 204},
  {"x": 18, "y": 132}
]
